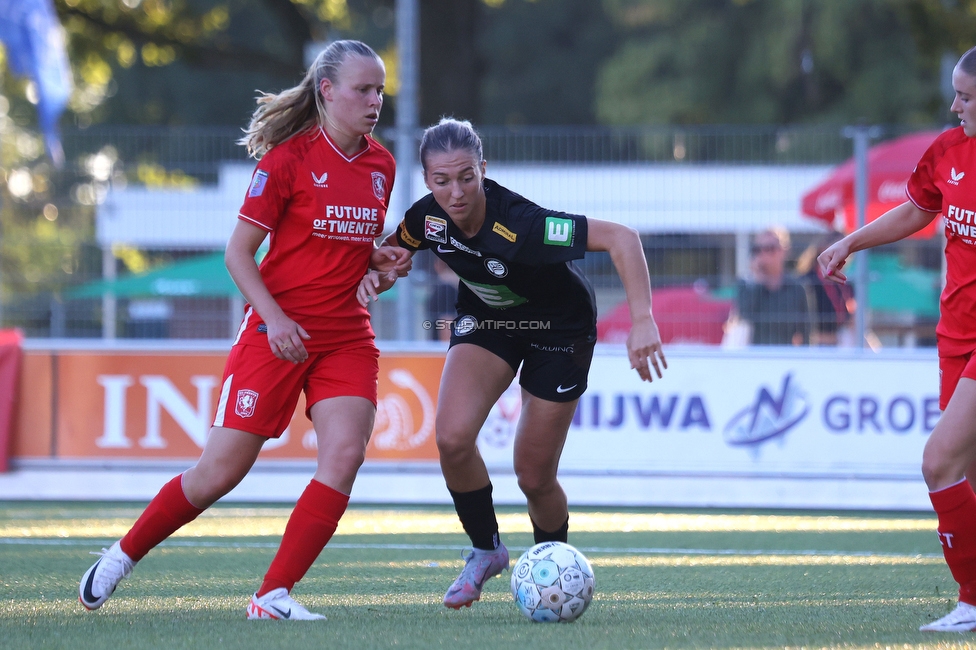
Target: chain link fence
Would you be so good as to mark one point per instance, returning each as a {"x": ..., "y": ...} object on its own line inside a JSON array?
[{"x": 140, "y": 206}]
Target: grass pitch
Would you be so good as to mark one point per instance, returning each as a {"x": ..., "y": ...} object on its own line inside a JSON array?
[{"x": 663, "y": 579}]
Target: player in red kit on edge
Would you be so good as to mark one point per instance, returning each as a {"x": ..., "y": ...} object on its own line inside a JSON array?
[
  {"x": 320, "y": 190},
  {"x": 944, "y": 184}
]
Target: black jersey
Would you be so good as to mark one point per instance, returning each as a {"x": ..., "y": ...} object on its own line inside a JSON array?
[{"x": 518, "y": 267}]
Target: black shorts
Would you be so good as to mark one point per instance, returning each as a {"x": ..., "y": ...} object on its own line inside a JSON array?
[{"x": 552, "y": 369}]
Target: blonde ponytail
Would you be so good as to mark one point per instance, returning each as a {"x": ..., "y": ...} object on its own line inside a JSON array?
[{"x": 301, "y": 108}]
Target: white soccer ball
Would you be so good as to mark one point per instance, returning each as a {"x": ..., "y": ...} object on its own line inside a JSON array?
[{"x": 552, "y": 583}]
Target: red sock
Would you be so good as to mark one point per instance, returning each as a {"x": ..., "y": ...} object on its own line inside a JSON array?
[
  {"x": 309, "y": 529},
  {"x": 166, "y": 513},
  {"x": 956, "y": 507}
]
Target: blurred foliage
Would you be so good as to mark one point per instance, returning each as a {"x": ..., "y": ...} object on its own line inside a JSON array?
[
  {"x": 184, "y": 62},
  {"x": 541, "y": 60},
  {"x": 614, "y": 62},
  {"x": 782, "y": 61},
  {"x": 144, "y": 62}
]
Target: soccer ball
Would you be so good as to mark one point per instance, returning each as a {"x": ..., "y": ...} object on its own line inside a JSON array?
[{"x": 552, "y": 582}]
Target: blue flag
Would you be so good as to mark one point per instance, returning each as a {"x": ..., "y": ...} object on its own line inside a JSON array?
[{"x": 35, "y": 47}]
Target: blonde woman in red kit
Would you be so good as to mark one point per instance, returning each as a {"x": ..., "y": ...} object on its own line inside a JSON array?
[
  {"x": 320, "y": 191},
  {"x": 943, "y": 185}
]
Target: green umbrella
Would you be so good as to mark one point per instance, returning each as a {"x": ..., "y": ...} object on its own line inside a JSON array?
[{"x": 199, "y": 277}]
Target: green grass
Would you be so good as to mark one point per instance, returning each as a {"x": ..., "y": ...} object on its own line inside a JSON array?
[{"x": 663, "y": 579}]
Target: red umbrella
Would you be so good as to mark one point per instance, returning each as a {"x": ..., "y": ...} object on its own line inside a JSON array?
[
  {"x": 683, "y": 315},
  {"x": 889, "y": 166}
]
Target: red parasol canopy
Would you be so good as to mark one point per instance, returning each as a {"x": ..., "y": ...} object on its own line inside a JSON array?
[
  {"x": 683, "y": 315},
  {"x": 889, "y": 166}
]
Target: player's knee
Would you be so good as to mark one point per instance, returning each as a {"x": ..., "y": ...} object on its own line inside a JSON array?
[
  {"x": 940, "y": 470},
  {"x": 349, "y": 456},
  {"x": 452, "y": 443},
  {"x": 534, "y": 481},
  {"x": 203, "y": 489}
]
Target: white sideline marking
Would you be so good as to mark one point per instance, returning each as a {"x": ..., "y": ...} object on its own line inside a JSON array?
[{"x": 28, "y": 541}]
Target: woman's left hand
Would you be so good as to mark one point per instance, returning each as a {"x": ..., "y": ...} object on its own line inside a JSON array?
[
  {"x": 372, "y": 285},
  {"x": 391, "y": 258},
  {"x": 644, "y": 349}
]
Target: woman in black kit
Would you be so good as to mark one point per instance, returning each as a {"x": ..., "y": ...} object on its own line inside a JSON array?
[{"x": 521, "y": 301}]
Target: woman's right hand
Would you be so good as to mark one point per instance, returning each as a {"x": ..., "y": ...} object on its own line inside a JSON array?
[
  {"x": 373, "y": 284},
  {"x": 832, "y": 261},
  {"x": 286, "y": 338}
]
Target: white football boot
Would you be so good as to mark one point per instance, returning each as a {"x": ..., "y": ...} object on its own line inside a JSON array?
[
  {"x": 961, "y": 619},
  {"x": 100, "y": 581},
  {"x": 278, "y": 605}
]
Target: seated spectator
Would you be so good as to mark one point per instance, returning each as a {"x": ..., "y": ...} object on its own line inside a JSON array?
[{"x": 771, "y": 307}]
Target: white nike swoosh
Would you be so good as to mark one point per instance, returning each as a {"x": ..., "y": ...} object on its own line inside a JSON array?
[
  {"x": 441, "y": 249},
  {"x": 560, "y": 389}
]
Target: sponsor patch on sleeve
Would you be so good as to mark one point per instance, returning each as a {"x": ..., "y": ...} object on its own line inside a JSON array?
[
  {"x": 258, "y": 182},
  {"x": 407, "y": 238},
  {"x": 435, "y": 229},
  {"x": 504, "y": 232},
  {"x": 559, "y": 232}
]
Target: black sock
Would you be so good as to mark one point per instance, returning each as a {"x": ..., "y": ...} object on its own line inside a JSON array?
[
  {"x": 477, "y": 515},
  {"x": 561, "y": 534}
]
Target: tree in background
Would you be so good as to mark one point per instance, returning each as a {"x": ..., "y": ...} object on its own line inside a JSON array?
[
  {"x": 142, "y": 62},
  {"x": 201, "y": 62},
  {"x": 541, "y": 60},
  {"x": 773, "y": 61},
  {"x": 557, "y": 62}
]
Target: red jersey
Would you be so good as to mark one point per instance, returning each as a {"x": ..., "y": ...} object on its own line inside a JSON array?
[
  {"x": 944, "y": 181},
  {"x": 324, "y": 210}
]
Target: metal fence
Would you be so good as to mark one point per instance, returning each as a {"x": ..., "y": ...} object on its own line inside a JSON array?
[{"x": 52, "y": 254}]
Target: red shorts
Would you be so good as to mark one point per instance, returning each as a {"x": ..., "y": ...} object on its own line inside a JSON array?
[
  {"x": 259, "y": 391},
  {"x": 951, "y": 370}
]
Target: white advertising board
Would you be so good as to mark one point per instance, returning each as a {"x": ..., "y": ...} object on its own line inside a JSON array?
[
  {"x": 756, "y": 428},
  {"x": 746, "y": 429}
]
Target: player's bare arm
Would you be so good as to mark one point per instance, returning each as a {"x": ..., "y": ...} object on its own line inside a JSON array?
[
  {"x": 285, "y": 336},
  {"x": 895, "y": 224},
  {"x": 377, "y": 280},
  {"x": 624, "y": 245},
  {"x": 391, "y": 257}
]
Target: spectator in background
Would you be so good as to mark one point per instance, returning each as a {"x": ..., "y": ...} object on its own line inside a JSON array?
[
  {"x": 771, "y": 307},
  {"x": 442, "y": 300},
  {"x": 831, "y": 304}
]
